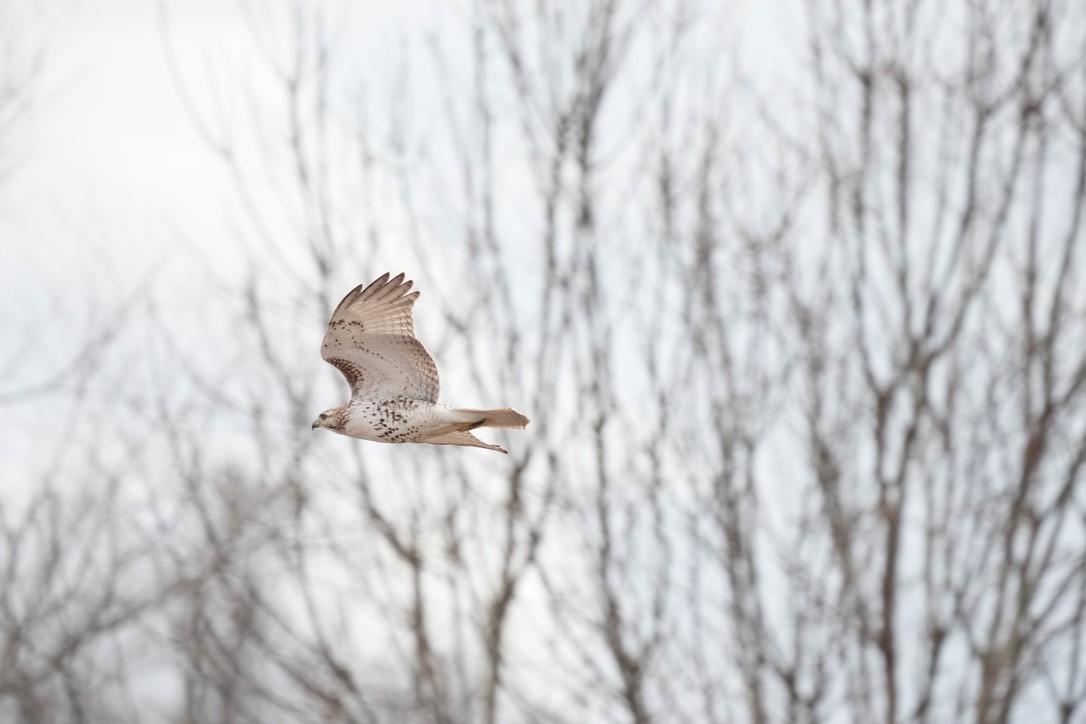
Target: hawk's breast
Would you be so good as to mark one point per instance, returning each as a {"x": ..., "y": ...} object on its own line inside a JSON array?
[{"x": 400, "y": 419}]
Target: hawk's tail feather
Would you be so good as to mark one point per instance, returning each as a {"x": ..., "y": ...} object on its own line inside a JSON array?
[
  {"x": 465, "y": 438},
  {"x": 505, "y": 417}
]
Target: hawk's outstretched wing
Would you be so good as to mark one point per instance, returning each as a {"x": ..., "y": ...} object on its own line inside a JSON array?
[{"x": 371, "y": 340}]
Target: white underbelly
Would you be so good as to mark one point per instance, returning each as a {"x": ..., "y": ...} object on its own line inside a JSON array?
[{"x": 402, "y": 420}]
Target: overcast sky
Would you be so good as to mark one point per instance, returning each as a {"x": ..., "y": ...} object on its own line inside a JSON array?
[
  {"x": 109, "y": 156},
  {"x": 109, "y": 149}
]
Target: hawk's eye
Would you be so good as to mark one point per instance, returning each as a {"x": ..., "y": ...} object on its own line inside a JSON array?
[{"x": 324, "y": 416}]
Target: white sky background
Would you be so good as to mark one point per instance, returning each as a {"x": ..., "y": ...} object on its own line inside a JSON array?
[
  {"x": 109, "y": 159},
  {"x": 109, "y": 149}
]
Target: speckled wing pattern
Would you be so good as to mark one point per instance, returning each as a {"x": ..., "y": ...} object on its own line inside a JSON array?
[{"x": 371, "y": 340}]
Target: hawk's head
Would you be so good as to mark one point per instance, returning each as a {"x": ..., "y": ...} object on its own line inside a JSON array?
[{"x": 332, "y": 419}]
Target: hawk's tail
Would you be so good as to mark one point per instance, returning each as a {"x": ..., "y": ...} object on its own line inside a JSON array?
[
  {"x": 505, "y": 417},
  {"x": 464, "y": 438}
]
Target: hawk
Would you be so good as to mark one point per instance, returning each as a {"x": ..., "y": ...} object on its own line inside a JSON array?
[{"x": 393, "y": 379}]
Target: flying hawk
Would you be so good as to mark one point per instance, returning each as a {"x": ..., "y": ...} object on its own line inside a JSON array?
[{"x": 393, "y": 379}]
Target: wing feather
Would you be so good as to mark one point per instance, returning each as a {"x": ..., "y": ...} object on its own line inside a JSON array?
[{"x": 371, "y": 340}]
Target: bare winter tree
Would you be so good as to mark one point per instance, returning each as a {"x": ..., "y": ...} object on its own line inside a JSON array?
[
  {"x": 72, "y": 574},
  {"x": 919, "y": 561},
  {"x": 803, "y": 340}
]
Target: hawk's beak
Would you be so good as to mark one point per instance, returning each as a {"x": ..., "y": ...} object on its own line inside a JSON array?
[{"x": 313, "y": 426}]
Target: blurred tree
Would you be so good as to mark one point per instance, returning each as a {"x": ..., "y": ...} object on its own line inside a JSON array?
[{"x": 804, "y": 347}]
